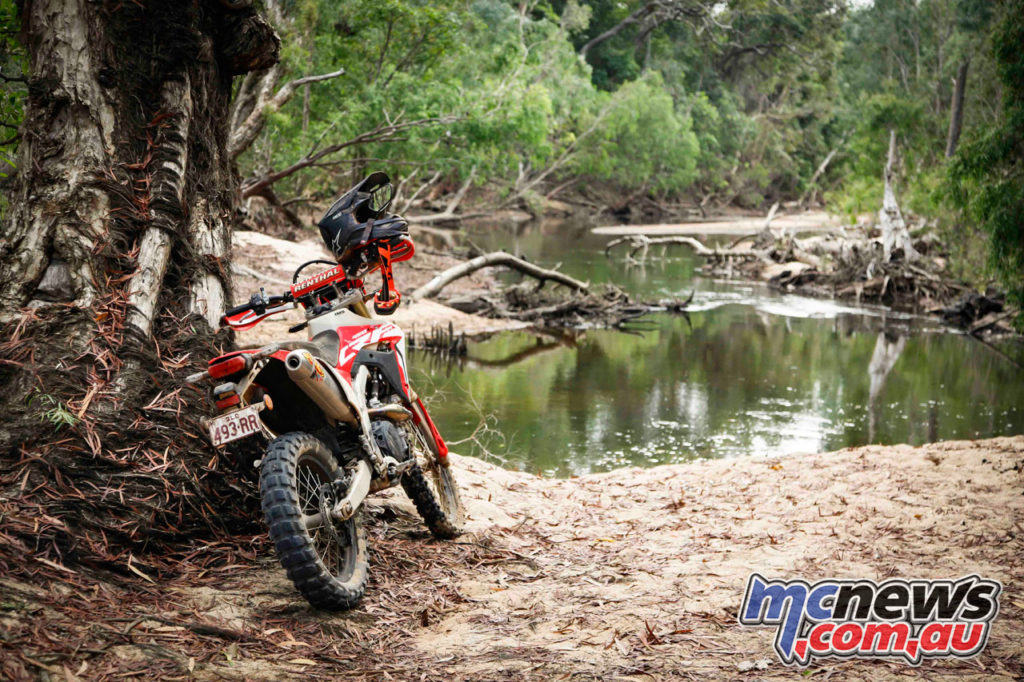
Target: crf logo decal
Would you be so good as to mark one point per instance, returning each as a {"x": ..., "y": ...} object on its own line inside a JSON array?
[{"x": 364, "y": 338}]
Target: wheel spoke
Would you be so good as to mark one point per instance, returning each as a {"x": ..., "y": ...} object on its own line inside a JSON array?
[
  {"x": 309, "y": 482},
  {"x": 317, "y": 552}
]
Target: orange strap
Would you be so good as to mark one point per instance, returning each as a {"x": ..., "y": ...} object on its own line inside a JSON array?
[{"x": 383, "y": 301}]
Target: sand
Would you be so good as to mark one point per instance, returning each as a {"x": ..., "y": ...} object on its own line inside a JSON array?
[{"x": 634, "y": 574}]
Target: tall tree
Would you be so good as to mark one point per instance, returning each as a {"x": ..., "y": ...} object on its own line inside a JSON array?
[
  {"x": 956, "y": 110},
  {"x": 113, "y": 263},
  {"x": 987, "y": 173}
]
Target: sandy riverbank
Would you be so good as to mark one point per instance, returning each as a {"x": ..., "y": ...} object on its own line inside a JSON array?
[{"x": 633, "y": 574}]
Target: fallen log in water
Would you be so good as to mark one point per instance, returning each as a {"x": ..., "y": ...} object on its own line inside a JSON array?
[
  {"x": 610, "y": 308},
  {"x": 843, "y": 266},
  {"x": 581, "y": 308},
  {"x": 642, "y": 243}
]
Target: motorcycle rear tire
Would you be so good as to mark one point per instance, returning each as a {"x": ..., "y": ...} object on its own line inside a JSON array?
[{"x": 328, "y": 568}]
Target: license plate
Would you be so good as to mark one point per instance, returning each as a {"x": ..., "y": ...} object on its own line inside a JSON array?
[{"x": 238, "y": 424}]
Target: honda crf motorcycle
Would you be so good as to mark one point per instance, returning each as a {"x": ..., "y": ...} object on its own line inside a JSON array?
[{"x": 341, "y": 418}]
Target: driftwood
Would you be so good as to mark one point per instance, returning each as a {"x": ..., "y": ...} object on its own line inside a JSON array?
[
  {"x": 642, "y": 243},
  {"x": 895, "y": 234},
  {"x": 610, "y": 307},
  {"x": 825, "y": 265},
  {"x": 446, "y": 277}
]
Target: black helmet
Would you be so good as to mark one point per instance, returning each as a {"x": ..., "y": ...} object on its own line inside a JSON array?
[{"x": 360, "y": 217}]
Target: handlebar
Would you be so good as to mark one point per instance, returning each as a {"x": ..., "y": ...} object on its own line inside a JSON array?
[
  {"x": 327, "y": 286},
  {"x": 258, "y": 303},
  {"x": 321, "y": 287}
]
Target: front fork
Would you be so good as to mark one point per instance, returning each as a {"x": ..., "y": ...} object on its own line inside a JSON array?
[
  {"x": 420, "y": 414},
  {"x": 362, "y": 479}
]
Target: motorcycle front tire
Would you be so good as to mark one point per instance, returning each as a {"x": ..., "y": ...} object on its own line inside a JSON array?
[{"x": 327, "y": 565}]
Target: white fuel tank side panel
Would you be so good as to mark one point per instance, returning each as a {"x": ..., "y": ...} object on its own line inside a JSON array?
[{"x": 339, "y": 318}]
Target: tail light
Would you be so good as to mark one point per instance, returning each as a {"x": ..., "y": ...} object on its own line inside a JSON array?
[
  {"x": 229, "y": 366},
  {"x": 226, "y": 396}
]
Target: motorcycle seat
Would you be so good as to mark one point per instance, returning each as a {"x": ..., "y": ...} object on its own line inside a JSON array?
[{"x": 324, "y": 345}]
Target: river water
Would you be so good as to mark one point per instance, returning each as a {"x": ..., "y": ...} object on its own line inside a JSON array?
[{"x": 748, "y": 371}]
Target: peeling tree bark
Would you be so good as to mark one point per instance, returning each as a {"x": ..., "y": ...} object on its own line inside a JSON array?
[
  {"x": 168, "y": 189},
  {"x": 113, "y": 257},
  {"x": 112, "y": 124},
  {"x": 57, "y": 215}
]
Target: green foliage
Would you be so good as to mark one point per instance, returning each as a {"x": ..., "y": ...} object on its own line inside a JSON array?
[
  {"x": 55, "y": 413},
  {"x": 735, "y": 113},
  {"x": 643, "y": 140},
  {"x": 986, "y": 177},
  {"x": 12, "y": 94}
]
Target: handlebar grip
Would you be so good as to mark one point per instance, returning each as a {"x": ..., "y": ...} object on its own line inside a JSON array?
[{"x": 231, "y": 312}]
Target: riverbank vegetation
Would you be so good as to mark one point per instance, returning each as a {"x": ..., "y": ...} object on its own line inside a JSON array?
[
  {"x": 634, "y": 109},
  {"x": 682, "y": 105}
]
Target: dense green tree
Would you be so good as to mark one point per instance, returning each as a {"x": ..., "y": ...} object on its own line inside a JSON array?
[{"x": 987, "y": 174}]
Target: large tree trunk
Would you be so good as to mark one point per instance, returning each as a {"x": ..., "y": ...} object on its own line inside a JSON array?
[
  {"x": 113, "y": 267},
  {"x": 956, "y": 114}
]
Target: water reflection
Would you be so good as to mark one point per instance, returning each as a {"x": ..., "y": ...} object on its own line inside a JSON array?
[
  {"x": 888, "y": 349},
  {"x": 734, "y": 381},
  {"x": 750, "y": 372}
]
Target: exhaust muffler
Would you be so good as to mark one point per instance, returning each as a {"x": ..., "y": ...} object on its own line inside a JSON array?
[{"x": 316, "y": 381}]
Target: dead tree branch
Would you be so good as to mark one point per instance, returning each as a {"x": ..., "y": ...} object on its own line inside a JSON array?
[
  {"x": 449, "y": 212},
  {"x": 443, "y": 279},
  {"x": 419, "y": 190},
  {"x": 382, "y": 133},
  {"x": 651, "y": 15},
  {"x": 244, "y": 133},
  {"x": 895, "y": 234}
]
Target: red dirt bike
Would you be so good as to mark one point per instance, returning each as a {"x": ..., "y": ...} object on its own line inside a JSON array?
[{"x": 338, "y": 410}]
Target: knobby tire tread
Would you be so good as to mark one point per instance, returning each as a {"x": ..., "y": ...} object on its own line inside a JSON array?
[{"x": 283, "y": 515}]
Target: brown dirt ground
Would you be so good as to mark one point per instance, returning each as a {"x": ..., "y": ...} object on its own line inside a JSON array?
[{"x": 634, "y": 574}]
